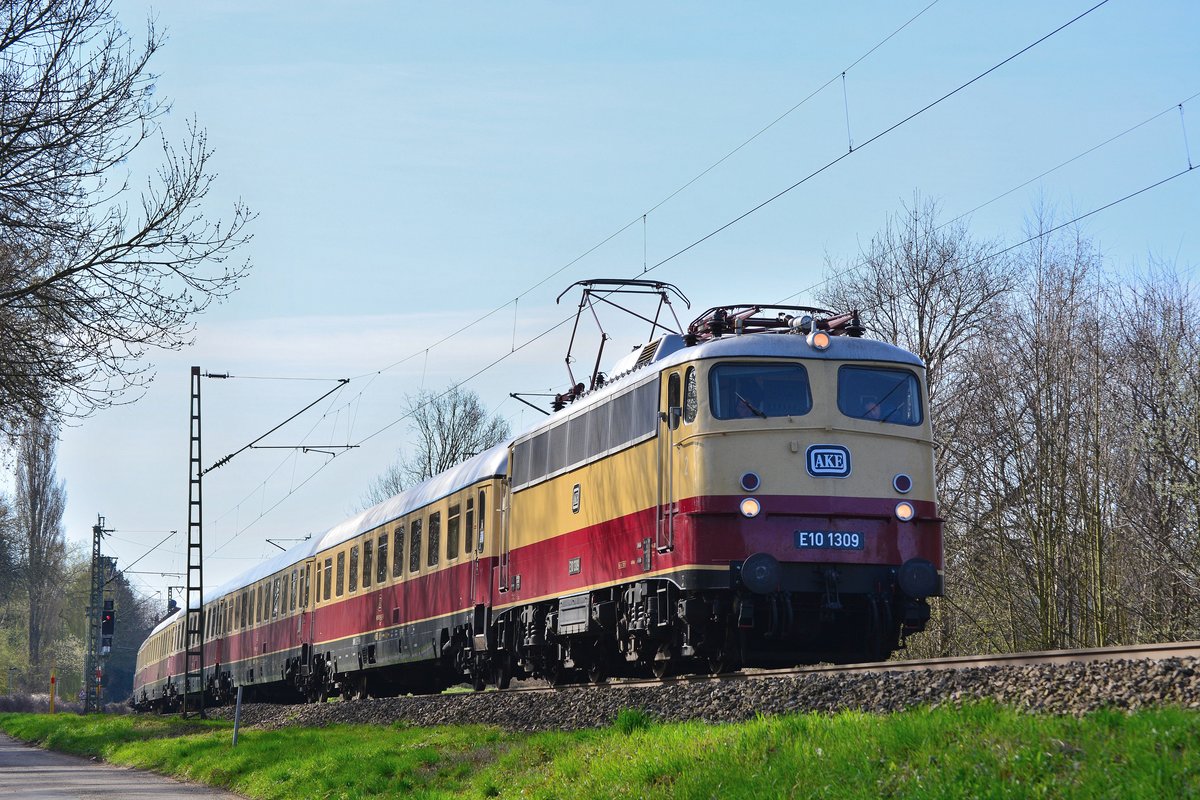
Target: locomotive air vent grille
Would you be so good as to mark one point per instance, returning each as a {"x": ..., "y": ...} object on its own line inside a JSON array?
[{"x": 647, "y": 354}]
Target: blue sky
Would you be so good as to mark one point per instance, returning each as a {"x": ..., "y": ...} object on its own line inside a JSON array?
[{"x": 415, "y": 166}]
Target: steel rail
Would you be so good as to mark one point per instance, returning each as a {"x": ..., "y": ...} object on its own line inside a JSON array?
[{"x": 1151, "y": 652}]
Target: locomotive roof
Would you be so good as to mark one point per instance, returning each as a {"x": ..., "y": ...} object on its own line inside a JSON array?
[{"x": 487, "y": 464}]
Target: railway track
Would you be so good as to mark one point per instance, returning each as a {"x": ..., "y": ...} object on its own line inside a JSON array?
[
  {"x": 1152, "y": 652},
  {"x": 1055, "y": 682}
]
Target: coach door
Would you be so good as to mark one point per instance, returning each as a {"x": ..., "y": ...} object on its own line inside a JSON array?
[{"x": 669, "y": 417}]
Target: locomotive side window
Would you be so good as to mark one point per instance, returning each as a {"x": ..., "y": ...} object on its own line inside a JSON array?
[
  {"x": 398, "y": 551},
  {"x": 353, "y": 569},
  {"x": 691, "y": 400},
  {"x": 382, "y": 548},
  {"x": 341, "y": 573},
  {"x": 414, "y": 547},
  {"x": 878, "y": 393},
  {"x": 368, "y": 562},
  {"x": 741, "y": 391},
  {"x": 453, "y": 521},
  {"x": 617, "y": 423},
  {"x": 435, "y": 538}
]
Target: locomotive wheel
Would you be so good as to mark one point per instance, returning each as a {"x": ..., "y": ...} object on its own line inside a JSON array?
[
  {"x": 599, "y": 667},
  {"x": 663, "y": 662},
  {"x": 479, "y": 674},
  {"x": 503, "y": 671},
  {"x": 875, "y": 633}
]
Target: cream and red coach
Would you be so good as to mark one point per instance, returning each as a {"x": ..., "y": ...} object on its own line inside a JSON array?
[{"x": 747, "y": 494}]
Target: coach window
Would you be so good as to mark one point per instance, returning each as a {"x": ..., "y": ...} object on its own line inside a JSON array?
[
  {"x": 295, "y": 591},
  {"x": 381, "y": 558},
  {"x": 398, "y": 551},
  {"x": 320, "y": 574},
  {"x": 275, "y": 595},
  {"x": 691, "y": 400},
  {"x": 470, "y": 526},
  {"x": 340, "y": 582},
  {"x": 304, "y": 594},
  {"x": 435, "y": 539},
  {"x": 258, "y": 603},
  {"x": 283, "y": 597},
  {"x": 368, "y": 562},
  {"x": 482, "y": 517},
  {"x": 328, "y": 577},
  {"x": 742, "y": 391},
  {"x": 452, "y": 523},
  {"x": 354, "y": 568},
  {"x": 876, "y": 393},
  {"x": 414, "y": 547}
]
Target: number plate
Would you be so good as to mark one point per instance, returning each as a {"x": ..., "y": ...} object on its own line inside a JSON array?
[{"x": 830, "y": 540}]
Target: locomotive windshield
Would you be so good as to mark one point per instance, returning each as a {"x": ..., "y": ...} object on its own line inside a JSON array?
[
  {"x": 887, "y": 395},
  {"x": 759, "y": 390}
]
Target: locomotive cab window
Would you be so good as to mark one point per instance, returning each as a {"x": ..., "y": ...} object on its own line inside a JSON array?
[
  {"x": 745, "y": 391},
  {"x": 879, "y": 393},
  {"x": 691, "y": 399}
]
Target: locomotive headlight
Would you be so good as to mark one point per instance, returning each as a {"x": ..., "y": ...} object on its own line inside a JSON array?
[
  {"x": 750, "y": 507},
  {"x": 902, "y": 483},
  {"x": 905, "y": 511},
  {"x": 750, "y": 482},
  {"x": 818, "y": 340}
]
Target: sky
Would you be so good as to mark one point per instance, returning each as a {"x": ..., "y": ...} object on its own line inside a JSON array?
[{"x": 418, "y": 167}]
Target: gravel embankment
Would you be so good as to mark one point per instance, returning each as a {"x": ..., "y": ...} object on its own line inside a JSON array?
[{"x": 1070, "y": 689}]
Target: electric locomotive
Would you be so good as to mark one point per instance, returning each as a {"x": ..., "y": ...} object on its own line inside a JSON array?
[{"x": 757, "y": 490}]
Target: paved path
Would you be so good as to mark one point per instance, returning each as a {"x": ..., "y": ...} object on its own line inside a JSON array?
[{"x": 30, "y": 772}]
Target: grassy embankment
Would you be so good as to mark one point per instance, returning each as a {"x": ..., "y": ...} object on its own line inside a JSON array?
[{"x": 979, "y": 751}]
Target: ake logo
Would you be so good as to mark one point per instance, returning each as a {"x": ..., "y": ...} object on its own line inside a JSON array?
[{"x": 828, "y": 461}]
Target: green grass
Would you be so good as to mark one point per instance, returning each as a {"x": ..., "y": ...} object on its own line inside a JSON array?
[{"x": 979, "y": 751}]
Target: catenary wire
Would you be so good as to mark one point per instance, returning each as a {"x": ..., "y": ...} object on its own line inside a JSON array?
[{"x": 711, "y": 234}]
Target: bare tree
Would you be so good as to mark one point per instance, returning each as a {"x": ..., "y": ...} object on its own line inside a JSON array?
[
  {"x": 87, "y": 285},
  {"x": 41, "y": 500},
  {"x": 450, "y": 427}
]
